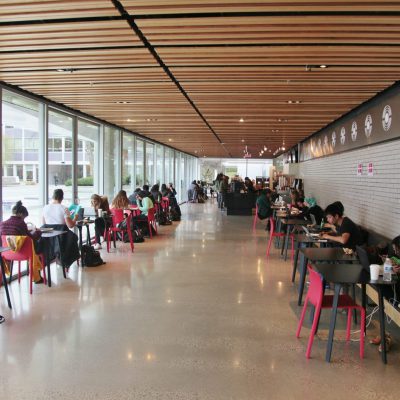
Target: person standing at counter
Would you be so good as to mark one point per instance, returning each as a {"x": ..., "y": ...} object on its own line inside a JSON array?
[
  {"x": 217, "y": 185},
  {"x": 249, "y": 185},
  {"x": 224, "y": 187}
]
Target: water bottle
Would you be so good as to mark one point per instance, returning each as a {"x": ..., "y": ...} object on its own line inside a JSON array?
[{"x": 387, "y": 270}]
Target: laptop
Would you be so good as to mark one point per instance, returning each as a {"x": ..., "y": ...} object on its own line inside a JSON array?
[
  {"x": 89, "y": 212},
  {"x": 310, "y": 234}
]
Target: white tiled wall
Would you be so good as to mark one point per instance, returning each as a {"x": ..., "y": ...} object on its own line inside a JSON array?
[{"x": 371, "y": 201}]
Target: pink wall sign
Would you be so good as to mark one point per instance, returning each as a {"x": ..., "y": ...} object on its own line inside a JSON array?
[
  {"x": 370, "y": 169},
  {"x": 359, "y": 169}
]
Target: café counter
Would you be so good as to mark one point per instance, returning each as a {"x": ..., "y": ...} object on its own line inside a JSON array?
[{"x": 240, "y": 203}]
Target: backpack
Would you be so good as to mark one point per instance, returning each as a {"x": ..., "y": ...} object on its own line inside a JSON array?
[
  {"x": 175, "y": 214},
  {"x": 162, "y": 218},
  {"x": 91, "y": 257}
]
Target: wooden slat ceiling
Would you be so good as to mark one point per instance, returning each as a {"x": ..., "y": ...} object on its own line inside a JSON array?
[{"x": 193, "y": 69}]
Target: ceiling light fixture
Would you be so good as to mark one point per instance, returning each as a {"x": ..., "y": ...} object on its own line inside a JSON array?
[
  {"x": 242, "y": 140},
  {"x": 241, "y": 120},
  {"x": 323, "y": 66}
]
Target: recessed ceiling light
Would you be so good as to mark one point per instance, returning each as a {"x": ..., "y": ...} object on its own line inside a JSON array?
[
  {"x": 323, "y": 66},
  {"x": 282, "y": 120},
  {"x": 241, "y": 120},
  {"x": 169, "y": 140},
  {"x": 283, "y": 148},
  {"x": 128, "y": 120},
  {"x": 294, "y": 101},
  {"x": 242, "y": 140}
]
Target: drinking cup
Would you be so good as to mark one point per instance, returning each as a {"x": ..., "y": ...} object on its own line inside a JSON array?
[
  {"x": 374, "y": 270},
  {"x": 99, "y": 212}
]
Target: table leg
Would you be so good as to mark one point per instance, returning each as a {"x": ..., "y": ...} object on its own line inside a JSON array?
[
  {"x": 3, "y": 276},
  {"x": 284, "y": 241},
  {"x": 296, "y": 258},
  {"x": 364, "y": 301},
  {"x": 49, "y": 274},
  {"x": 287, "y": 240},
  {"x": 382, "y": 323},
  {"x": 303, "y": 273},
  {"x": 333, "y": 322}
]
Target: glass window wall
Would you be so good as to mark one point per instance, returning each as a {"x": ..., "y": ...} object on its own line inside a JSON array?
[
  {"x": 160, "y": 164},
  {"x": 149, "y": 164},
  {"x": 24, "y": 168},
  {"x": 60, "y": 132},
  {"x": 88, "y": 161},
  {"x": 111, "y": 160},
  {"x": 20, "y": 152},
  {"x": 139, "y": 163},
  {"x": 128, "y": 163}
]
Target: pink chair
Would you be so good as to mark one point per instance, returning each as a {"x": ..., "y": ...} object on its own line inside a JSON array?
[
  {"x": 117, "y": 216},
  {"x": 151, "y": 220},
  {"x": 316, "y": 297},
  {"x": 273, "y": 234},
  {"x": 165, "y": 204},
  {"x": 255, "y": 219},
  {"x": 25, "y": 253}
]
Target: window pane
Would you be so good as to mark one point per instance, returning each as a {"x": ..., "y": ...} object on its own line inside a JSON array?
[
  {"x": 159, "y": 164},
  {"x": 88, "y": 161},
  {"x": 149, "y": 164},
  {"x": 128, "y": 163},
  {"x": 21, "y": 163},
  {"x": 111, "y": 143},
  {"x": 59, "y": 155},
  {"x": 139, "y": 163}
]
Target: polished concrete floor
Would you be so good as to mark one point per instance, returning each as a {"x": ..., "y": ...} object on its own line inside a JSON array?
[{"x": 195, "y": 313}]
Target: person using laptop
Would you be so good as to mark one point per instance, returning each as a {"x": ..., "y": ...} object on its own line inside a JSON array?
[
  {"x": 99, "y": 203},
  {"x": 348, "y": 233}
]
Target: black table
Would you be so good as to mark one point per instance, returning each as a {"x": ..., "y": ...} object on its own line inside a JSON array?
[
  {"x": 328, "y": 254},
  {"x": 289, "y": 222},
  {"x": 307, "y": 241},
  {"x": 341, "y": 274},
  {"x": 3, "y": 276},
  {"x": 47, "y": 235}
]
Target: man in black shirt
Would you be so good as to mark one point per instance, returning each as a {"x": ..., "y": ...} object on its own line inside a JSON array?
[{"x": 349, "y": 234}]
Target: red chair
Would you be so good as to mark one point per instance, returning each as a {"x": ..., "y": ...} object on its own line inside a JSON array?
[
  {"x": 165, "y": 204},
  {"x": 151, "y": 220},
  {"x": 255, "y": 219},
  {"x": 117, "y": 216},
  {"x": 25, "y": 253},
  {"x": 273, "y": 234},
  {"x": 316, "y": 297}
]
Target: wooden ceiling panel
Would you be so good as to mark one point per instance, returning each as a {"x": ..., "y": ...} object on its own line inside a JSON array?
[
  {"x": 145, "y": 7},
  {"x": 54, "y": 36},
  {"x": 27, "y": 10},
  {"x": 219, "y": 61}
]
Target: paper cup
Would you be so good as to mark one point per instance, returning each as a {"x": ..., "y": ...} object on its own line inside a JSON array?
[
  {"x": 374, "y": 270},
  {"x": 99, "y": 212}
]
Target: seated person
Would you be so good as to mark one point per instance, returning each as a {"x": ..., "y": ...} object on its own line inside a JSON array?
[
  {"x": 16, "y": 226},
  {"x": 120, "y": 201},
  {"x": 294, "y": 196},
  {"x": 57, "y": 216},
  {"x": 132, "y": 197},
  {"x": 348, "y": 233},
  {"x": 172, "y": 189},
  {"x": 390, "y": 292},
  {"x": 313, "y": 209},
  {"x": 148, "y": 193},
  {"x": 145, "y": 204},
  {"x": 56, "y": 213},
  {"x": 99, "y": 203},
  {"x": 155, "y": 191},
  {"x": 300, "y": 208},
  {"x": 340, "y": 206},
  {"x": 165, "y": 191},
  {"x": 263, "y": 202}
]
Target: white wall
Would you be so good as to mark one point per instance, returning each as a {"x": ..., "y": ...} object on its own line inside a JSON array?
[{"x": 373, "y": 202}]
